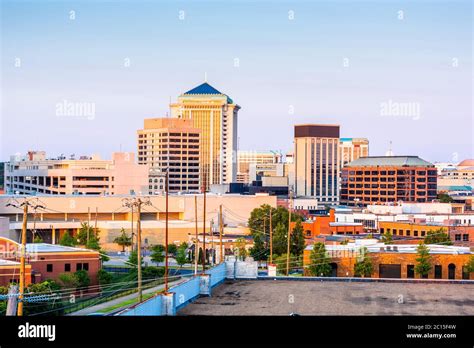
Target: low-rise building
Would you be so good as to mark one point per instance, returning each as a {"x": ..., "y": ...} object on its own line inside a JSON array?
[
  {"x": 394, "y": 261},
  {"x": 35, "y": 174},
  {"x": 46, "y": 261}
]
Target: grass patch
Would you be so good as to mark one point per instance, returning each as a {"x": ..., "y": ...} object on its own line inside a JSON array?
[{"x": 125, "y": 303}]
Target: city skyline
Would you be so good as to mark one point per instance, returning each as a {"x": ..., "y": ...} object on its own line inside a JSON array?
[{"x": 280, "y": 68}]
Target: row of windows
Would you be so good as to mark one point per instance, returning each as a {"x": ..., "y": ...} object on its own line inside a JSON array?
[{"x": 67, "y": 267}]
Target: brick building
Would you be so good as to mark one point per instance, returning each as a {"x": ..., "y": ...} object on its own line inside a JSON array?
[
  {"x": 460, "y": 235},
  {"x": 395, "y": 261},
  {"x": 10, "y": 272},
  {"x": 48, "y": 261},
  {"x": 378, "y": 180}
]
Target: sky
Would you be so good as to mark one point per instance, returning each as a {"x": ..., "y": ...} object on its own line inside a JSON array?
[{"x": 390, "y": 71}]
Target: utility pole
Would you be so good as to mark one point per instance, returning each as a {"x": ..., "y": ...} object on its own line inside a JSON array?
[
  {"x": 132, "y": 230},
  {"x": 271, "y": 238},
  {"x": 196, "y": 246},
  {"x": 12, "y": 303},
  {"x": 204, "y": 228},
  {"x": 138, "y": 202},
  {"x": 166, "y": 232},
  {"x": 25, "y": 204},
  {"x": 289, "y": 236},
  {"x": 211, "y": 232},
  {"x": 221, "y": 231},
  {"x": 95, "y": 227}
]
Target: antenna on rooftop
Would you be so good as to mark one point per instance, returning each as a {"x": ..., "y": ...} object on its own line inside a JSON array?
[{"x": 205, "y": 77}]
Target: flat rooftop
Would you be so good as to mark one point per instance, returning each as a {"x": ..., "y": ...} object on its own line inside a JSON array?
[
  {"x": 282, "y": 297},
  {"x": 54, "y": 248}
]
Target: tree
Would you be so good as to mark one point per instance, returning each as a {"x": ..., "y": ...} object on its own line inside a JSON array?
[
  {"x": 279, "y": 239},
  {"x": 240, "y": 249},
  {"x": 157, "y": 253},
  {"x": 93, "y": 244},
  {"x": 38, "y": 239},
  {"x": 364, "y": 265},
  {"x": 280, "y": 262},
  {"x": 423, "y": 266},
  {"x": 104, "y": 277},
  {"x": 319, "y": 261},
  {"x": 444, "y": 198},
  {"x": 133, "y": 258},
  {"x": 172, "y": 249},
  {"x": 387, "y": 238},
  {"x": 85, "y": 233},
  {"x": 68, "y": 280},
  {"x": 123, "y": 240},
  {"x": 297, "y": 242},
  {"x": 258, "y": 251},
  {"x": 83, "y": 279},
  {"x": 181, "y": 256},
  {"x": 153, "y": 272},
  {"x": 67, "y": 240},
  {"x": 470, "y": 265},
  {"x": 438, "y": 237}
]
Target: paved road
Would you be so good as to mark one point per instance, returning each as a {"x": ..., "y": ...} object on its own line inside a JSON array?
[{"x": 96, "y": 308}]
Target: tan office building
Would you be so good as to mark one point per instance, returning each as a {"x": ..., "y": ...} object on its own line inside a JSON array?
[
  {"x": 215, "y": 114},
  {"x": 316, "y": 162},
  {"x": 248, "y": 158},
  {"x": 352, "y": 149},
  {"x": 171, "y": 143}
]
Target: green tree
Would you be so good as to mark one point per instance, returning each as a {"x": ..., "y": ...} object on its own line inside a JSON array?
[
  {"x": 68, "y": 280},
  {"x": 123, "y": 240},
  {"x": 93, "y": 244},
  {"x": 259, "y": 252},
  {"x": 181, "y": 256},
  {"x": 423, "y": 266},
  {"x": 297, "y": 242},
  {"x": 320, "y": 260},
  {"x": 153, "y": 272},
  {"x": 67, "y": 240},
  {"x": 83, "y": 279},
  {"x": 86, "y": 232},
  {"x": 279, "y": 239},
  {"x": 280, "y": 262},
  {"x": 240, "y": 249},
  {"x": 438, "y": 237},
  {"x": 444, "y": 198},
  {"x": 387, "y": 238},
  {"x": 364, "y": 265},
  {"x": 133, "y": 258},
  {"x": 470, "y": 265},
  {"x": 104, "y": 277},
  {"x": 172, "y": 249},
  {"x": 38, "y": 239},
  {"x": 157, "y": 253}
]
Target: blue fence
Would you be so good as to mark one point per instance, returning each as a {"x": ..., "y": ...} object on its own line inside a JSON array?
[
  {"x": 183, "y": 294},
  {"x": 217, "y": 274},
  {"x": 152, "y": 306}
]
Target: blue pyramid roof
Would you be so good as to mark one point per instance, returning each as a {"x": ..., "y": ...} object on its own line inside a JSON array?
[{"x": 206, "y": 88}]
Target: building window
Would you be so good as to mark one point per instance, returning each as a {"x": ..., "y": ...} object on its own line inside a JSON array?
[
  {"x": 49, "y": 267},
  {"x": 465, "y": 237},
  {"x": 410, "y": 271},
  {"x": 408, "y": 232},
  {"x": 85, "y": 266},
  {"x": 415, "y": 233},
  {"x": 423, "y": 233},
  {"x": 78, "y": 266},
  {"x": 465, "y": 273},
  {"x": 438, "y": 272},
  {"x": 457, "y": 237},
  {"x": 67, "y": 267}
]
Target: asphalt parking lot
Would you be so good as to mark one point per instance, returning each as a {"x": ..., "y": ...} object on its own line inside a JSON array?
[{"x": 282, "y": 297}]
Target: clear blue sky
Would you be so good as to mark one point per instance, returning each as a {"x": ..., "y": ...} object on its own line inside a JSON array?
[{"x": 283, "y": 63}]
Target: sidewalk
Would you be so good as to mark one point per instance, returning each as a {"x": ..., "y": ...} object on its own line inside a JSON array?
[{"x": 96, "y": 308}]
